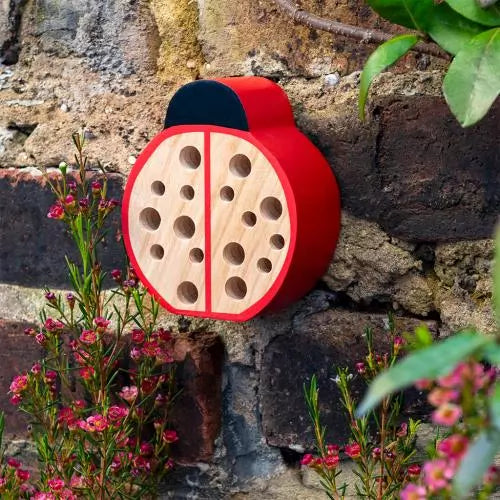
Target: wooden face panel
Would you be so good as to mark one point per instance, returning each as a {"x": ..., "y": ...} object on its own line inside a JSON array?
[
  {"x": 166, "y": 221},
  {"x": 208, "y": 223},
  {"x": 250, "y": 224}
]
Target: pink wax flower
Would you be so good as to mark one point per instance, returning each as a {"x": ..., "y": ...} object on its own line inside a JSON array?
[
  {"x": 19, "y": 384},
  {"x": 40, "y": 338},
  {"x": 129, "y": 393},
  {"x": 441, "y": 395},
  {"x": 146, "y": 449},
  {"x": 331, "y": 461},
  {"x": 95, "y": 423},
  {"x": 53, "y": 325},
  {"x": 447, "y": 414},
  {"x": 170, "y": 436},
  {"x": 87, "y": 372},
  {"x": 423, "y": 384},
  {"x": 135, "y": 353},
  {"x": 138, "y": 336},
  {"x": 437, "y": 474},
  {"x": 454, "y": 446},
  {"x": 101, "y": 324},
  {"x": 36, "y": 369},
  {"x": 16, "y": 399},
  {"x": 22, "y": 475},
  {"x": 117, "y": 413},
  {"x": 12, "y": 462},
  {"x": 307, "y": 459},
  {"x": 353, "y": 450},
  {"x": 56, "y": 484},
  {"x": 70, "y": 201},
  {"x": 88, "y": 337},
  {"x": 413, "y": 492},
  {"x": 56, "y": 211}
]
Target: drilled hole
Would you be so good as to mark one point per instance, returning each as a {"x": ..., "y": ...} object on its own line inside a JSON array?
[
  {"x": 249, "y": 219},
  {"x": 271, "y": 208},
  {"x": 157, "y": 252},
  {"x": 196, "y": 255},
  {"x": 240, "y": 166},
  {"x": 150, "y": 219},
  {"x": 264, "y": 265},
  {"x": 187, "y": 193},
  {"x": 190, "y": 157},
  {"x": 184, "y": 227},
  {"x": 277, "y": 241},
  {"x": 227, "y": 193},
  {"x": 158, "y": 188},
  {"x": 234, "y": 254},
  {"x": 236, "y": 288},
  {"x": 187, "y": 292}
]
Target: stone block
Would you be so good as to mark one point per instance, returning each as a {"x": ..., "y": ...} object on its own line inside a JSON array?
[
  {"x": 321, "y": 343},
  {"x": 33, "y": 247}
]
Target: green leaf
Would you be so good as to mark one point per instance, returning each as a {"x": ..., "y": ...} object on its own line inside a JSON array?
[
  {"x": 413, "y": 14},
  {"x": 472, "y": 83},
  {"x": 496, "y": 277},
  {"x": 492, "y": 353},
  {"x": 451, "y": 30},
  {"x": 384, "y": 55},
  {"x": 430, "y": 362},
  {"x": 495, "y": 407},
  {"x": 471, "y": 10},
  {"x": 475, "y": 463}
]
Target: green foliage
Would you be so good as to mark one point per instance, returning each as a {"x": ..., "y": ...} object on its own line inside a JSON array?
[
  {"x": 460, "y": 27},
  {"x": 472, "y": 83},
  {"x": 437, "y": 360},
  {"x": 430, "y": 362},
  {"x": 385, "y": 55}
]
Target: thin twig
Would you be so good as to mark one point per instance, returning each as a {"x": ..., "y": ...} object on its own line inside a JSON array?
[{"x": 365, "y": 35}]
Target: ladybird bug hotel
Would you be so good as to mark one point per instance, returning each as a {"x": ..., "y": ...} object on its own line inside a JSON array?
[{"x": 230, "y": 210}]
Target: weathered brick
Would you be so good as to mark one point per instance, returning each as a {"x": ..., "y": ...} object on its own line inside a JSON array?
[
  {"x": 320, "y": 344},
  {"x": 17, "y": 355},
  {"x": 32, "y": 247},
  {"x": 197, "y": 411}
]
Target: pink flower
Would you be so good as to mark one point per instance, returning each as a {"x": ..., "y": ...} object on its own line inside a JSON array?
[
  {"x": 332, "y": 449},
  {"x": 56, "y": 212},
  {"x": 150, "y": 348},
  {"x": 441, "y": 395},
  {"x": 79, "y": 404},
  {"x": 19, "y": 384},
  {"x": 116, "y": 274},
  {"x": 447, "y": 414},
  {"x": 30, "y": 331},
  {"x": 70, "y": 200},
  {"x": 361, "y": 368},
  {"x": 307, "y": 459},
  {"x": 101, "y": 324},
  {"x": 96, "y": 188},
  {"x": 43, "y": 495},
  {"x": 94, "y": 423},
  {"x": 40, "y": 338},
  {"x": 53, "y": 325},
  {"x": 170, "y": 436},
  {"x": 22, "y": 475},
  {"x": 50, "y": 376},
  {"x": 51, "y": 297},
  {"x": 437, "y": 474},
  {"x": 164, "y": 335},
  {"x": 492, "y": 475},
  {"x": 12, "y": 462},
  {"x": 128, "y": 393},
  {"x": 3, "y": 482},
  {"x": 117, "y": 413},
  {"x": 71, "y": 300},
  {"x": 403, "y": 430},
  {"x": 87, "y": 372},
  {"x": 146, "y": 449},
  {"x": 138, "y": 336},
  {"x": 16, "y": 400},
  {"x": 56, "y": 484},
  {"x": 88, "y": 337},
  {"x": 353, "y": 450},
  {"x": 169, "y": 464},
  {"x": 66, "y": 415},
  {"x": 331, "y": 461},
  {"x": 414, "y": 471},
  {"x": 164, "y": 356},
  {"x": 453, "y": 447},
  {"x": 77, "y": 482},
  {"x": 36, "y": 368},
  {"x": 423, "y": 384},
  {"x": 135, "y": 353},
  {"x": 413, "y": 492}
]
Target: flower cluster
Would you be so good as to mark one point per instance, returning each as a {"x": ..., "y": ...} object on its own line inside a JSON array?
[
  {"x": 459, "y": 401},
  {"x": 100, "y": 398}
]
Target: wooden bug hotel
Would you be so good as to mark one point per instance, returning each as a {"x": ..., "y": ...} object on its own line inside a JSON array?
[{"x": 230, "y": 211}]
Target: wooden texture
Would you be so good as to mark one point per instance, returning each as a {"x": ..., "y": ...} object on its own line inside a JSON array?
[{"x": 228, "y": 225}]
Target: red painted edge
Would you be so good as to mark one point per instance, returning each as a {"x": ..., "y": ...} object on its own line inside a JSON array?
[{"x": 139, "y": 164}]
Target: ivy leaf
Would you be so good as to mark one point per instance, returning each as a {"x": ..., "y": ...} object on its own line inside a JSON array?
[
  {"x": 451, "y": 30},
  {"x": 472, "y": 84},
  {"x": 384, "y": 55},
  {"x": 413, "y": 14},
  {"x": 430, "y": 362},
  {"x": 470, "y": 9},
  {"x": 475, "y": 463}
]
